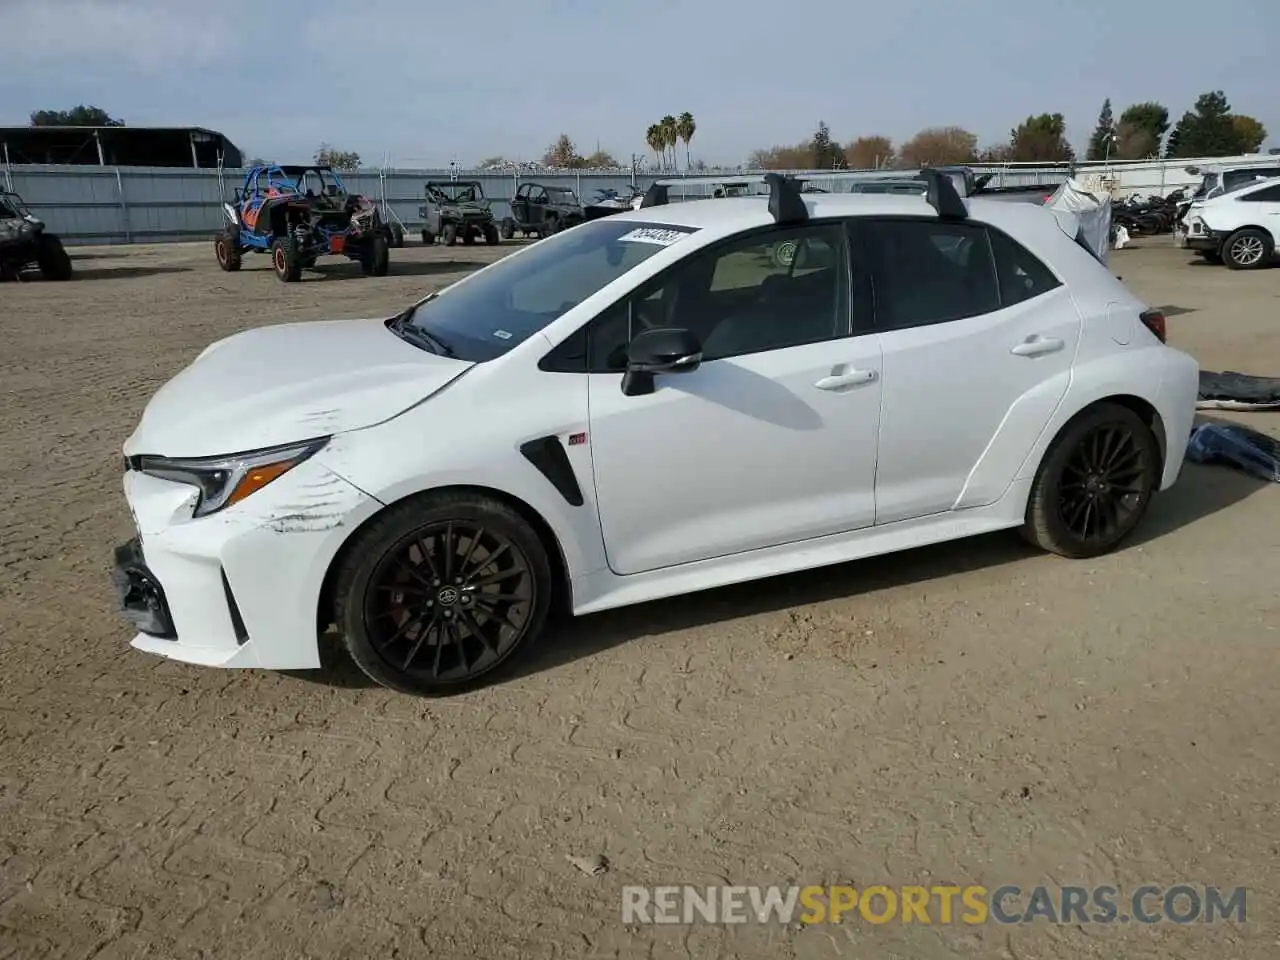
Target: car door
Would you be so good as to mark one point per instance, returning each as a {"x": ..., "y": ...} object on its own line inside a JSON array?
[
  {"x": 970, "y": 322},
  {"x": 772, "y": 439},
  {"x": 1266, "y": 213},
  {"x": 520, "y": 204}
]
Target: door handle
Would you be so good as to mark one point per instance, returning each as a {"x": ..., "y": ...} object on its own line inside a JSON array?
[
  {"x": 1036, "y": 345},
  {"x": 850, "y": 378}
]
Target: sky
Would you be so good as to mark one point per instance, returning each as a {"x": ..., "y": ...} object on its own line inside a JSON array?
[{"x": 417, "y": 83}]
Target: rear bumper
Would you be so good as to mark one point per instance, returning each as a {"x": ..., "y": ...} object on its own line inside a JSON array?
[{"x": 1205, "y": 239}]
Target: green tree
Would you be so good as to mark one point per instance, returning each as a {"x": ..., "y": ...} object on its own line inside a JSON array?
[
  {"x": 686, "y": 127},
  {"x": 1041, "y": 139},
  {"x": 1250, "y": 134},
  {"x": 1205, "y": 131},
  {"x": 338, "y": 159},
  {"x": 656, "y": 140},
  {"x": 668, "y": 125},
  {"x": 1101, "y": 143},
  {"x": 825, "y": 153},
  {"x": 79, "y": 116},
  {"x": 1141, "y": 130}
]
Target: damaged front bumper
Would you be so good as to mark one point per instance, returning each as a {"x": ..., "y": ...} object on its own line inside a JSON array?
[{"x": 240, "y": 587}]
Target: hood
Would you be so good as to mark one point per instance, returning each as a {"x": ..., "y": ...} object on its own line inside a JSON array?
[{"x": 285, "y": 383}]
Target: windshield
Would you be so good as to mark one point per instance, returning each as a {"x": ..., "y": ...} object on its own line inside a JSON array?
[
  {"x": 11, "y": 205},
  {"x": 484, "y": 317},
  {"x": 1208, "y": 181},
  {"x": 457, "y": 192},
  {"x": 562, "y": 195}
]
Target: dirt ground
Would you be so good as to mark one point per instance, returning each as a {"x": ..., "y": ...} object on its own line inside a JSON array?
[{"x": 968, "y": 713}]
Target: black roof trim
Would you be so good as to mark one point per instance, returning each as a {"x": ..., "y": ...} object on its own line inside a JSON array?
[
  {"x": 786, "y": 205},
  {"x": 655, "y": 196},
  {"x": 943, "y": 196}
]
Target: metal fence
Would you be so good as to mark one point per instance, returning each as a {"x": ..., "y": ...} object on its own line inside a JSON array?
[{"x": 86, "y": 204}]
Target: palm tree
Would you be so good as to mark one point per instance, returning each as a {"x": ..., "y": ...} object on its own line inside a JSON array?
[
  {"x": 668, "y": 126},
  {"x": 656, "y": 140},
  {"x": 685, "y": 129}
]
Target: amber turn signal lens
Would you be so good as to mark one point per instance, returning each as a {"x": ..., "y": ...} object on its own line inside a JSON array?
[{"x": 257, "y": 478}]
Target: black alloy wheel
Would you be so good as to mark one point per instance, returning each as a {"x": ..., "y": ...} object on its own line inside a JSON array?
[
  {"x": 433, "y": 599},
  {"x": 1095, "y": 484},
  {"x": 1102, "y": 486}
]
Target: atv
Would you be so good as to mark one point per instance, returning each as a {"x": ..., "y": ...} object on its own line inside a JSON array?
[
  {"x": 456, "y": 210},
  {"x": 541, "y": 211},
  {"x": 298, "y": 214},
  {"x": 24, "y": 242}
]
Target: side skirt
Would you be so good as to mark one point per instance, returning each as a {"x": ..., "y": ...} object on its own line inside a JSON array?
[{"x": 605, "y": 590}]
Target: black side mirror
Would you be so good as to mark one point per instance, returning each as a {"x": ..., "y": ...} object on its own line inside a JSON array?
[{"x": 661, "y": 350}]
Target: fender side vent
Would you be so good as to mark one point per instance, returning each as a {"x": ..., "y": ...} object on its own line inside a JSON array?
[
  {"x": 548, "y": 456},
  {"x": 237, "y": 621}
]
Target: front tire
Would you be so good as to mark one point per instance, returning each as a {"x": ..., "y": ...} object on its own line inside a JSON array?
[
  {"x": 227, "y": 251},
  {"x": 1095, "y": 483},
  {"x": 286, "y": 261},
  {"x": 428, "y": 238},
  {"x": 1248, "y": 249},
  {"x": 52, "y": 259},
  {"x": 491, "y": 234},
  {"x": 449, "y": 235},
  {"x": 376, "y": 260},
  {"x": 438, "y": 592}
]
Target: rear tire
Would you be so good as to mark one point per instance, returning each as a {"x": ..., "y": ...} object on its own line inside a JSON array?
[
  {"x": 491, "y": 234},
  {"x": 468, "y": 237},
  {"x": 286, "y": 261},
  {"x": 508, "y": 228},
  {"x": 397, "y": 235},
  {"x": 1094, "y": 484},
  {"x": 428, "y": 238},
  {"x": 1248, "y": 249},
  {"x": 419, "y": 613},
  {"x": 52, "y": 258}
]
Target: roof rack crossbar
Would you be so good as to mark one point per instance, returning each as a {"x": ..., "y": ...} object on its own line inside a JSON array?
[
  {"x": 943, "y": 196},
  {"x": 655, "y": 196},
  {"x": 786, "y": 205}
]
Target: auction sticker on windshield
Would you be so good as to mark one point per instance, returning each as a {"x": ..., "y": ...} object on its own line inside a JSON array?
[{"x": 659, "y": 236}]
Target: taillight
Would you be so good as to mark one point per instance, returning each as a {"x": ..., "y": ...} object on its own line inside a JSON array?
[{"x": 1153, "y": 320}]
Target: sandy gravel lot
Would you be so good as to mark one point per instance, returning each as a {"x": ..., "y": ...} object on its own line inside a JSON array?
[{"x": 971, "y": 713}]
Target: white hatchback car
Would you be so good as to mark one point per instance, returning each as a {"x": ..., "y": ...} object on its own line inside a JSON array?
[
  {"x": 646, "y": 405},
  {"x": 1240, "y": 229}
]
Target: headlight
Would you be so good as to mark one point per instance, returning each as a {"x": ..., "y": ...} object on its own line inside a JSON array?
[{"x": 223, "y": 481}]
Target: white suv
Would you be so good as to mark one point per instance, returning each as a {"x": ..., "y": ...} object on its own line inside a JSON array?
[
  {"x": 645, "y": 405},
  {"x": 1240, "y": 229}
]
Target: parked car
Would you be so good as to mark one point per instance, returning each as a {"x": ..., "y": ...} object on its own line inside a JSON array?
[
  {"x": 540, "y": 211},
  {"x": 456, "y": 210},
  {"x": 646, "y": 405},
  {"x": 1240, "y": 228},
  {"x": 25, "y": 242},
  {"x": 297, "y": 214},
  {"x": 1216, "y": 180}
]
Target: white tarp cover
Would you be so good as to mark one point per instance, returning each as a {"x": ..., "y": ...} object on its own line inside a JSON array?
[{"x": 1092, "y": 212}]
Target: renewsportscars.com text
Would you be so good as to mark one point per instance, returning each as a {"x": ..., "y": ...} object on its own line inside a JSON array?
[{"x": 935, "y": 904}]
